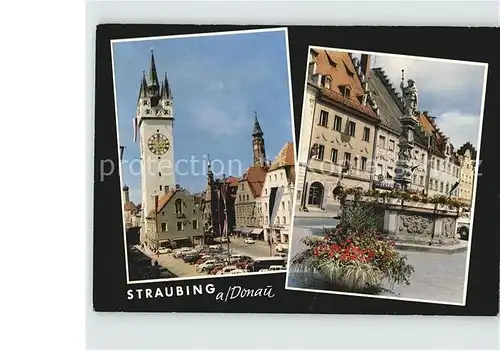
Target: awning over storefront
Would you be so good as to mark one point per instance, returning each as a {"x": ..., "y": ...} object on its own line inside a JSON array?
[
  {"x": 257, "y": 231},
  {"x": 246, "y": 230}
]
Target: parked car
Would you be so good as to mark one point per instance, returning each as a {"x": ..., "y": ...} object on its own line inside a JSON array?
[
  {"x": 463, "y": 232},
  {"x": 238, "y": 271},
  {"x": 206, "y": 266},
  {"x": 226, "y": 270},
  {"x": 225, "y": 239},
  {"x": 164, "y": 250},
  {"x": 277, "y": 268},
  {"x": 249, "y": 241}
]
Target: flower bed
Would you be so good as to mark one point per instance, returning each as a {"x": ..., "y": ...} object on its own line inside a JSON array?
[{"x": 354, "y": 256}]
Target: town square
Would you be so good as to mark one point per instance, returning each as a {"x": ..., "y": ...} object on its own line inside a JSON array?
[
  {"x": 386, "y": 176},
  {"x": 222, "y": 203}
]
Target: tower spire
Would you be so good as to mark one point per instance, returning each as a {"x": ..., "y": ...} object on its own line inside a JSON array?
[
  {"x": 168, "y": 92},
  {"x": 153, "y": 76},
  {"x": 259, "y": 150},
  {"x": 144, "y": 86},
  {"x": 257, "y": 130}
]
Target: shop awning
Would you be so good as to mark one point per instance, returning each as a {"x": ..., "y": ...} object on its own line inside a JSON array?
[{"x": 257, "y": 230}]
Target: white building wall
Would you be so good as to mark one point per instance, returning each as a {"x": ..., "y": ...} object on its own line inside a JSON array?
[{"x": 277, "y": 178}]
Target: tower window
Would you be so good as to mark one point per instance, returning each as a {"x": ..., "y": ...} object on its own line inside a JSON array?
[
  {"x": 159, "y": 174},
  {"x": 157, "y": 130}
]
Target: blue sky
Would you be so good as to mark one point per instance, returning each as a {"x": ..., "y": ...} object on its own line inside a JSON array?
[
  {"x": 452, "y": 91},
  {"x": 217, "y": 82}
]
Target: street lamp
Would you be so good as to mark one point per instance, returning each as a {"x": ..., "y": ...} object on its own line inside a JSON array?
[{"x": 313, "y": 152}]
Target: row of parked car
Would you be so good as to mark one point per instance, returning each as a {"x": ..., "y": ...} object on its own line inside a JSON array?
[{"x": 216, "y": 260}]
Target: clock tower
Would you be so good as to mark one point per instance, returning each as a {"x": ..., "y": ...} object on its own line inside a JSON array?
[{"x": 154, "y": 123}]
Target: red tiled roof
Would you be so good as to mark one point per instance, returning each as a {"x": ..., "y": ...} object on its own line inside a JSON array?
[
  {"x": 129, "y": 206},
  {"x": 286, "y": 157},
  {"x": 339, "y": 66},
  {"x": 255, "y": 177},
  {"x": 162, "y": 202}
]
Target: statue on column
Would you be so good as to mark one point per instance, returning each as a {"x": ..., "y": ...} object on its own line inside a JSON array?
[{"x": 410, "y": 95}]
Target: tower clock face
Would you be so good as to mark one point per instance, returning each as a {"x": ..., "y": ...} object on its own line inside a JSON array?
[{"x": 158, "y": 144}]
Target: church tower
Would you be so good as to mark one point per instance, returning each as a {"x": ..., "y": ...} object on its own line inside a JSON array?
[
  {"x": 154, "y": 123},
  {"x": 259, "y": 149}
]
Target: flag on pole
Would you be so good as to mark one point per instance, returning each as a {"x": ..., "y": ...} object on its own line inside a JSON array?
[
  {"x": 274, "y": 203},
  {"x": 135, "y": 129}
]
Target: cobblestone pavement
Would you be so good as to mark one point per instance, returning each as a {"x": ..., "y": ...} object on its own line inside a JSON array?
[
  {"x": 437, "y": 276},
  {"x": 259, "y": 249},
  {"x": 174, "y": 265}
]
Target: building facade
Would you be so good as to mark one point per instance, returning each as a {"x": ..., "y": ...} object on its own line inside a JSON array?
[
  {"x": 281, "y": 173},
  {"x": 467, "y": 156},
  {"x": 176, "y": 219},
  {"x": 342, "y": 128},
  {"x": 351, "y": 119},
  {"x": 154, "y": 123},
  {"x": 131, "y": 213}
]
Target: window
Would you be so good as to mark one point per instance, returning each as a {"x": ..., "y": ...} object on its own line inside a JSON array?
[
  {"x": 352, "y": 129},
  {"x": 366, "y": 134},
  {"x": 449, "y": 168},
  {"x": 423, "y": 157},
  {"x": 421, "y": 180},
  {"x": 392, "y": 145},
  {"x": 390, "y": 172},
  {"x": 283, "y": 205},
  {"x": 160, "y": 187},
  {"x": 248, "y": 197},
  {"x": 284, "y": 220},
  {"x": 347, "y": 92},
  {"x": 281, "y": 176},
  {"x": 438, "y": 164},
  {"x": 195, "y": 224},
  {"x": 180, "y": 226},
  {"x": 381, "y": 141},
  {"x": 355, "y": 162},
  {"x": 328, "y": 82},
  {"x": 277, "y": 220},
  {"x": 415, "y": 179},
  {"x": 334, "y": 155},
  {"x": 164, "y": 227},
  {"x": 441, "y": 186},
  {"x": 433, "y": 163},
  {"x": 242, "y": 186},
  {"x": 312, "y": 68},
  {"x": 380, "y": 169},
  {"x": 159, "y": 174},
  {"x": 447, "y": 188},
  {"x": 364, "y": 160},
  {"x": 337, "y": 123},
  {"x": 321, "y": 152},
  {"x": 275, "y": 177},
  {"x": 323, "y": 118},
  {"x": 347, "y": 158},
  {"x": 178, "y": 206}
]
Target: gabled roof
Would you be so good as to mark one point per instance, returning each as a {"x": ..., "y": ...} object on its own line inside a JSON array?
[
  {"x": 129, "y": 206},
  {"x": 470, "y": 147},
  {"x": 165, "y": 199},
  {"x": 286, "y": 157},
  {"x": 255, "y": 177},
  {"x": 340, "y": 67},
  {"x": 390, "y": 110}
]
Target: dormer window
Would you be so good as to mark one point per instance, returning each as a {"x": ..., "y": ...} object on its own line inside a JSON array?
[
  {"x": 345, "y": 90},
  {"x": 331, "y": 61},
  {"x": 312, "y": 69},
  {"x": 326, "y": 81}
]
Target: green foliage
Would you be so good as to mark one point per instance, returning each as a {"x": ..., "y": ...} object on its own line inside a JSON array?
[{"x": 354, "y": 255}]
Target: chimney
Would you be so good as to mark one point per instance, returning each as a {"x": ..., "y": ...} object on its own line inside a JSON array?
[
  {"x": 365, "y": 64},
  {"x": 167, "y": 189}
]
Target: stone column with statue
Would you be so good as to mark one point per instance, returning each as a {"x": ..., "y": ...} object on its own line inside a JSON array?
[{"x": 409, "y": 120}]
